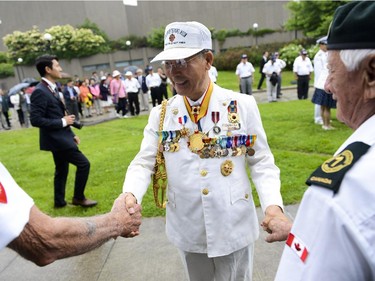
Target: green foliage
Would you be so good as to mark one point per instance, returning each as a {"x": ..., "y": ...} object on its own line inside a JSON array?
[
  {"x": 67, "y": 43},
  {"x": 156, "y": 38},
  {"x": 312, "y": 17},
  {"x": 6, "y": 70},
  {"x": 4, "y": 57},
  {"x": 136, "y": 42},
  {"x": 291, "y": 51},
  {"x": 229, "y": 59}
]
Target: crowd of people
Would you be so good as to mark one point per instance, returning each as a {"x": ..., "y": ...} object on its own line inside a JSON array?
[{"x": 127, "y": 94}]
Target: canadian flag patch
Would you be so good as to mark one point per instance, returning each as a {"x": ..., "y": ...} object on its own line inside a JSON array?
[
  {"x": 297, "y": 246},
  {"x": 3, "y": 195}
]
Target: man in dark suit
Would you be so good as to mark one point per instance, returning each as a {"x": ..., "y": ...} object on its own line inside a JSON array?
[
  {"x": 261, "y": 65},
  {"x": 71, "y": 99},
  {"x": 48, "y": 113}
]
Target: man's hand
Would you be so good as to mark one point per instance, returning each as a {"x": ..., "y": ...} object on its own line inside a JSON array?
[
  {"x": 129, "y": 218},
  {"x": 69, "y": 119},
  {"x": 276, "y": 223}
]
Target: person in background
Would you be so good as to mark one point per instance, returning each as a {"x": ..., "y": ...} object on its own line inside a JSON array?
[
  {"x": 85, "y": 98},
  {"x": 245, "y": 72},
  {"x": 55, "y": 134},
  {"x": 280, "y": 63},
  {"x": 212, "y": 72},
  {"x": 104, "y": 94},
  {"x": 4, "y": 110},
  {"x": 302, "y": 68},
  {"x": 42, "y": 239},
  {"x": 153, "y": 82},
  {"x": 262, "y": 62},
  {"x": 132, "y": 88},
  {"x": 209, "y": 136},
  {"x": 71, "y": 99},
  {"x": 95, "y": 92},
  {"x": 332, "y": 237},
  {"x": 272, "y": 71},
  {"x": 20, "y": 105},
  {"x": 119, "y": 94},
  {"x": 323, "y": 101},
  {"x": 164, "y": 83},
  {"x": 143, "y": 91}
]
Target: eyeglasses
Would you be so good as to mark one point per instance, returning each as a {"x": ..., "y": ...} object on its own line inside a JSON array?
[{"x": 181, "y": 63}]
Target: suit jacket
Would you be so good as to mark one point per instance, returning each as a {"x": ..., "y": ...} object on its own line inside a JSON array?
[
  {"x": 46, "y": 114},
  {"x": 66, "y": 94},
  {"x": 208, "y": 212},
  {"x": 261, "y": 65}
]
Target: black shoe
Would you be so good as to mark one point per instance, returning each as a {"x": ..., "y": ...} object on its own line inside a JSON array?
[{"x": 57, "y": 206}]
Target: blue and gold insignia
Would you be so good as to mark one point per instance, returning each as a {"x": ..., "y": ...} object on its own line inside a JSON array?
[{"x": 331, "y": 173}]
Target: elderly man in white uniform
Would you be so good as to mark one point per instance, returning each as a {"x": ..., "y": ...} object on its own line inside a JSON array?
[
  {"x": 208, "y": 136},
  {"x": 333, "y": 236},
  {"x": 38, "y": 237}
]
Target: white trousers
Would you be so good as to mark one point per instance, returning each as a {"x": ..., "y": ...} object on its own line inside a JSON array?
[{"x": 237, "y": 266}]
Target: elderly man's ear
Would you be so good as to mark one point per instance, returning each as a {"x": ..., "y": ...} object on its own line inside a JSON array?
[{"x": 370, "y": 78}]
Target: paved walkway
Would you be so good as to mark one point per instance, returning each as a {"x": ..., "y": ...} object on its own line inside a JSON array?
[{"x": 148, "y": 257}]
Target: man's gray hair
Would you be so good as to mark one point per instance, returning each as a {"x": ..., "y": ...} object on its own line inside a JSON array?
[{"x": 352, "y": 58}]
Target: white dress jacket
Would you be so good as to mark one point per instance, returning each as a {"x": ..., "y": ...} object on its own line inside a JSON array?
[{"x": 208, "y": 212}]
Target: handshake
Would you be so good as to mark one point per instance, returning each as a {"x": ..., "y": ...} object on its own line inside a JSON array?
[{"x": 127, "y": 215}]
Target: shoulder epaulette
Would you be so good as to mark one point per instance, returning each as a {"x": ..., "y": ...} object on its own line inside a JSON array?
[{"x": 333, "y": 170}]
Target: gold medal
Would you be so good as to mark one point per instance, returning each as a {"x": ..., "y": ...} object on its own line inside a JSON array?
[
  {"x": 172, "y": 147},
  {"x": 175, "y": 111},
  {"x": 196, "y": 142},
  {"x": 226, "y": 168},
  {"x": 233, "y": 117}
]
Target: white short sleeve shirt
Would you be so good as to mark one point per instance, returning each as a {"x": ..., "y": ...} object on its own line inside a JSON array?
[{"x": 15, "y": 207}]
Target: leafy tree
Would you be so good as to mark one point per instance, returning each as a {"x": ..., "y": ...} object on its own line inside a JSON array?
[
  {"x": 156, "y": 38},
  {"x": 311, "y": 17},
  {"x": 67, "y": 43}
]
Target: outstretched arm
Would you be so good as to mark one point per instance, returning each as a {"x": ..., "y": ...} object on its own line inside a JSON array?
[{"x": 45, "y": 239}]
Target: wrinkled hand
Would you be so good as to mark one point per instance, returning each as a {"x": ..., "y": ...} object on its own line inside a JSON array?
[
  {"x": 276, "y": 224},
  {"x": 128, "y": 217}
]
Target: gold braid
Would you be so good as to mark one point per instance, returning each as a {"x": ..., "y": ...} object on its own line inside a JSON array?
[{"x": 159, "y": 180}]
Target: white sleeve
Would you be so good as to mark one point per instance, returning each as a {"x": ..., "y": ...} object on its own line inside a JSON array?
[{"x": 15, "y": 207}]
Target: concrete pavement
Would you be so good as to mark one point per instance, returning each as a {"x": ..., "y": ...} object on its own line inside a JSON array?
[{"x": 148, "y": 257}]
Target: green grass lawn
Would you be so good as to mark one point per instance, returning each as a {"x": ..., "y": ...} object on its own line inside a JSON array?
[{"x": 298, "y": 144}]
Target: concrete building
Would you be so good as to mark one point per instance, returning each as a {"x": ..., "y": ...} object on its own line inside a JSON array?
[{"x": 119, "y": 20}]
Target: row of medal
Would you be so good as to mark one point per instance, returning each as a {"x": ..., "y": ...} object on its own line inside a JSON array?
[{"x": 207, "y": 147}]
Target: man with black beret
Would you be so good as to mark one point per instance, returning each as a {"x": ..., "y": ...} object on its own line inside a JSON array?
[{"x": 333, "y": 235}]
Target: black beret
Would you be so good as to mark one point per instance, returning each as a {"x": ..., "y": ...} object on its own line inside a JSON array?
[{"x": 353, "y": 26}]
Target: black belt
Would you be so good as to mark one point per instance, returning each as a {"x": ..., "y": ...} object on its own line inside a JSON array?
[{"x": 245, "y": 77}]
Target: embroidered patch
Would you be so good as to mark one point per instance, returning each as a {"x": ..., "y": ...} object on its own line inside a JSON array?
[
  {"x": 3, "y": 195},
  {"x": 333, "y": 170},
  {"x": 297, "y": 246}
]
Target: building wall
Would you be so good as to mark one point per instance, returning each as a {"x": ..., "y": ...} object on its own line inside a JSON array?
[{"x": 118, "y": 21}]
